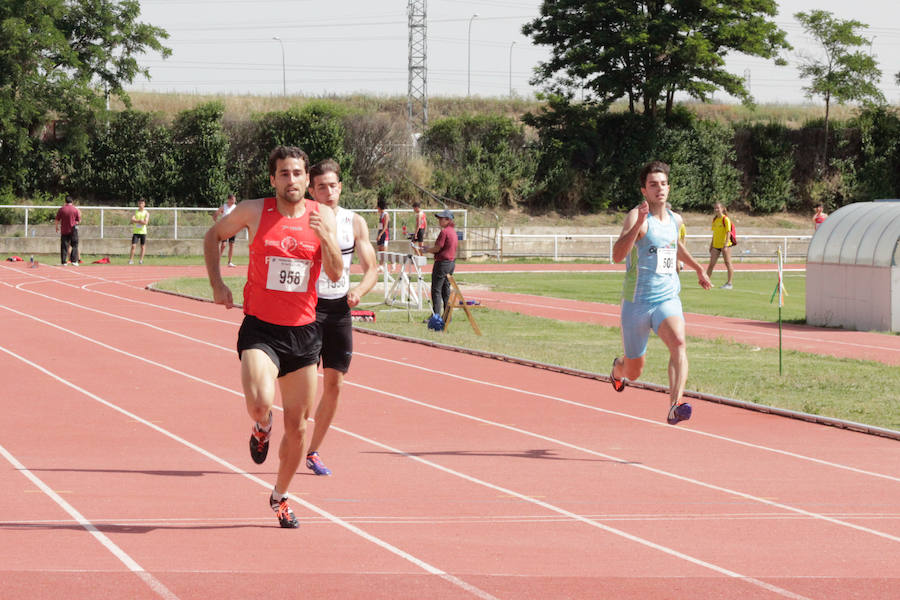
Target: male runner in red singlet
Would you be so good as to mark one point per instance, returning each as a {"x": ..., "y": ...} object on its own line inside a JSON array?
[{"x": 291, "y": 240}]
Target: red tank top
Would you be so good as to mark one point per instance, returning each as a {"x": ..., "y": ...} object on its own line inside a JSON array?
[{"x": 285, "y": 261}]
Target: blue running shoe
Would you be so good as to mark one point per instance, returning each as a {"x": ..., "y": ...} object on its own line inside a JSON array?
[
  {"x": 679, "y": 413},
  {"x": 314, "y": 464}
]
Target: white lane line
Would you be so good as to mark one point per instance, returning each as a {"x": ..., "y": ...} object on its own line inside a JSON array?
[
  {"x": 623, "y": 461},
  {"x": 564, "y": 444},
  {"x": 154, "y": 584},
  {"x": 420, "y": 563},
  {"x": 428, "y": 568},
  {"x": 499, "y": 386},
  {"x": 576, "y": 517},
  {"x": 731, "y": 331},
  {"x": 522, "y": 431},
  {"x": 174, "y": 523},
  {"x": 88, "y": 288},
  {"x": 655, "y": 423},
  {"x": 105, "y": 313}
]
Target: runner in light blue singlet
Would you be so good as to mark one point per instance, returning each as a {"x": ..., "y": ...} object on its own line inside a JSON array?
[{"x": 651, "y": 286}]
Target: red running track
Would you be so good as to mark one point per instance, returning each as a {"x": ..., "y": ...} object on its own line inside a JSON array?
[{"x": 125, "y": 473}]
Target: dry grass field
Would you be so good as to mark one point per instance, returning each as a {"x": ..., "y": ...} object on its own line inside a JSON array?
[{"x": 241, "y": 107}]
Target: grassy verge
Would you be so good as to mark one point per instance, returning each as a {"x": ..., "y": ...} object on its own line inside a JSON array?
[
  {"x": 855, "y": 390},
  {"x": 748, "y": 300}
]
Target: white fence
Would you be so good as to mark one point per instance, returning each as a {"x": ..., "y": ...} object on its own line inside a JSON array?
[
  {"x": 600, "y": 246},
  {"x": 102, "y": 222},
  {"x": 191, "y": 223},
  {"x": 184, "y": 223}
]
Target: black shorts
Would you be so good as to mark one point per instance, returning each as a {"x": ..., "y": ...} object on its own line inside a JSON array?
[
  {"x": 231, "y": 239},
  {"x": 290, "y": 348},
  {"x": 336, "y": 328},
  {"x": 419, "y": 235},
  {"x": 138, "y": 237}
]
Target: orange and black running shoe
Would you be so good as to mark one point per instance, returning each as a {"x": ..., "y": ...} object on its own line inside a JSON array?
[
  {"x": 618, "y": 384},
  {"x": 259, "y": 442},
  {"x": 284, "y": 513}
]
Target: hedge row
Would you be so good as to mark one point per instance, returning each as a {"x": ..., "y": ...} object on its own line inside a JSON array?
[{"x": 568, "y": 158}]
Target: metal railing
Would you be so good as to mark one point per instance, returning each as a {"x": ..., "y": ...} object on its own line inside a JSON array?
[
  {"x": 600, "y": 246},
  {"x": 115, "y": 221},
  {"x": 185, "y": 223},
  {"x": 191, "y": 223}
]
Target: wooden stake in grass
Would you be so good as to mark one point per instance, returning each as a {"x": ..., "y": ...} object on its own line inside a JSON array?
[{"x": 779, "y": 289}]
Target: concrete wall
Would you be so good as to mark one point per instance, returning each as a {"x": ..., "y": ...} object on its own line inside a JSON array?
[{"x": 858, "y": 297}]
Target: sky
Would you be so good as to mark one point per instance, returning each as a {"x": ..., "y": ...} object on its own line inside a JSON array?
[{"x": 345, "y": 47}]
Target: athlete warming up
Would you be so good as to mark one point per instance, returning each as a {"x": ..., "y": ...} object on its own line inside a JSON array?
[
  {"x": 292, "y": 240},
  {"x": 650, "y": 245}
]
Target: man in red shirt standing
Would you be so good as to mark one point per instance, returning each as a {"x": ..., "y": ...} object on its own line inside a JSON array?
[
  {"x": 444, "y": 251},
  {"x": 67, "y": 219},
  {"x": 292, "y": 240}
]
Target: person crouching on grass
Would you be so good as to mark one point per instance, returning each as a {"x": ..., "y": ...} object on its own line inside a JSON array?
[{"x": 650, "y": 243}]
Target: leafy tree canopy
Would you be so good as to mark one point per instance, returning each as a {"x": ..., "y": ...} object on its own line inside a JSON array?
[
  {"x": 842, "y": 75},
  {"x": 57, "y": 57},
  {"x": 647, "y": 50}
]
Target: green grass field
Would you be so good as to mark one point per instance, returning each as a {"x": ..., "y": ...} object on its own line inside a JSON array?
[{"x": 855, "y": 390}]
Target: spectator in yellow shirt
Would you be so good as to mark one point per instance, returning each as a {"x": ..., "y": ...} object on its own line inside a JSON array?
[
  {"x": 721, "y": 243},
  {"x": 139, "y": 231}
]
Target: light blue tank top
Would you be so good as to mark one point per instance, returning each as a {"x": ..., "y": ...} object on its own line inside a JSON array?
[{"x": 642, "y": 282}]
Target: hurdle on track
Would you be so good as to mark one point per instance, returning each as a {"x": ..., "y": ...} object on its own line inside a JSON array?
[{"x": 396, "y": 269}]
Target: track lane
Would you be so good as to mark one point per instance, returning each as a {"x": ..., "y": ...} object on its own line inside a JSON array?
[{"x": 455, "y": 427}]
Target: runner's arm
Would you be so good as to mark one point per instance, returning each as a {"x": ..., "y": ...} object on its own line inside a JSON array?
[
  {"x": 245, "y": 214},
  {"x": 366, "y": 254},
  {"x": 631, "y": 231},
  {"x": 323, "y": 224}
]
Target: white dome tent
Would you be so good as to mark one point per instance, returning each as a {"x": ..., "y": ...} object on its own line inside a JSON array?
[{"x": 853, "y": 268}]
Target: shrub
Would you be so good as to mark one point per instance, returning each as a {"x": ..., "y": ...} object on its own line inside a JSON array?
[
  {"x": 879, "y": 170},
  {"x": 480, "y": 160},
  {"x": 132, "y": 158},
  {"x": 771, "y": 166},
  {"x": 201, "y": 155},
  {"x": 590, "y": 160}
]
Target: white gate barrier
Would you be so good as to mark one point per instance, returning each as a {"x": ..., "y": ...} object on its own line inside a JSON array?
[{"x": 396, "y": 269}]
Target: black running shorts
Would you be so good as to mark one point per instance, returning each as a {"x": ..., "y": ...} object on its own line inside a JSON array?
[
  {"x": 336, "y": 328},
  {"x": 290, "y": 348}
]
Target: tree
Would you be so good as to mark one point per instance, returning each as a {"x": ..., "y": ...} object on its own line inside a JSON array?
[
  {"x": 58, "y": 59},
  {"x": 648, "y": 50},
  {"x": 841, "y": 75}
]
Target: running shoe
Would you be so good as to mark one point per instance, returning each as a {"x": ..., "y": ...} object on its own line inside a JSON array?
[
  {"x": 618, "y": 384},
  {"x": 727, "y": 286},
  {"x": 284, "y": 513},
  {"x": 315, "y": 464},
  {"x": 259, "y": 442},
  {"x": 678, "y": 413}
]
